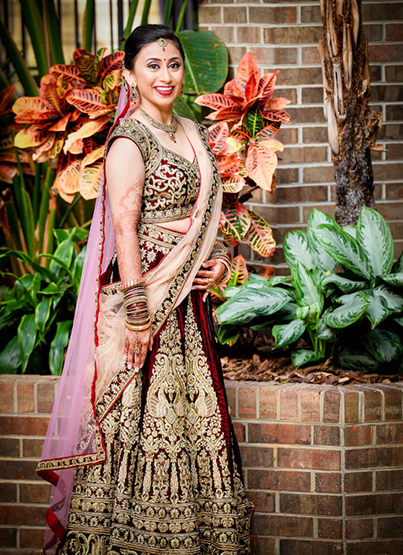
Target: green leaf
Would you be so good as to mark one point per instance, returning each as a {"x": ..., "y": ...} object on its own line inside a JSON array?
[
  {"x": 324, "y": 332},
  {"x": 279, "y": 280},
  {"x": 397, "y": 267},
  {"x": 57, "y": 347},
  {"x": 34, "y": 23},
  {"x": 88, "y": 24},
  {"x": 309, "y": 294},
  {"x": 357, "y": 359},
  {"x": 394, "y": 279},
  {"x": 228, "y": 333},
  {"x": 206, "y": 62},
  {"x": 51, "y": 289},
  {"x": 353, "y": 307},
  {"x": 351, "y": 230},
  {"x": 42, "y": 312},
  {"x": 320, "y": 258},
  {"x": 343, "y": 248},
  {"x": 10, "y": 357},
  {"x": 393, "y": 300},
  {"x": 300, "y": 357},
  {"x": 182, "y": 108},
  {"x": 26, "y": 338},
  {"x": 62, "y": 257},
  {"x": 254, "y": 121},
  {"x": 344, "y": 284},
  {"x": 377, "y": 310},
  {"x": 231, "y": 292},
  {"x": 398, "y": 321},
  {"x": 288, "y": 333},
  {"x": 295, "y": 247},
  {"x": 53, "y": 27},
  {"x": 78, "y": 270},
  {"x": 384, "y": 345},
  {"x": 375, "y": 240}
]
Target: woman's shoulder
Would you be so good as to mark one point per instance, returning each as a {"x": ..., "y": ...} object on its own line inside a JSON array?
[
  {"x": 199, "y": 126},
  {"x": 131, "y": 129}
]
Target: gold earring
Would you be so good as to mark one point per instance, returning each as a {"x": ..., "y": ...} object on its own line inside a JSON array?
[
  {"x": 181, "y": 94},
  {"x": 134, "y": 93}
]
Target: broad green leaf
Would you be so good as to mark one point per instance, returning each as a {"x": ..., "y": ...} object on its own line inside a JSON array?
[
  {"x": 377, "y": 310},
  {"x": 394, "y": 279},
  {"x": 393, "y": 300},
  {"x": 182, "y": 108},
  {"x": 343, "y": 248},
  {"x": 320, "y": 257},
  {"x": 228, "y": 333},
  {"x": 397, "y": 267},
  {"x": 376, "y": 241},
  {"x": 258, "y": 300},
  {"x": 353, "y": 307},
  {"x": 398, "y": 321},
  {"x": 357, "y": 359},
  {"x": 51, "y": 289},
  {"x": 384, "y": 345},
  {"x": 61, "y": 235},
  {"x": 10, "y": 357},
  {"x": 61, "y": 260},
  {"x": 26, "y": 338},
  {"x": 42, "y": 312},
  {"x": 231, "y": 292},
  {"x": 326, "y": 333},
  {"x": 78, "y": 269},
  {"x": 288, "y": 333},
  {"x": 300, "y": 357},
  {"x": 295, "y": 247},
  {"x": 309, "y": 294},
  {"x": 344, "y": 284},
  {"x": 279, "y": 280},
  {"x": 57, "y": 347},
  {"x": 351, "y": 230}
]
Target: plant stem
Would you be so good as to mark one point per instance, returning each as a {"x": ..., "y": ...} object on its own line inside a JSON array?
[
  {"x": 168, "y": 11},
  {"x": 181, "y": 16},
  {"x": 129, "y": 24},
  {"x": 89, "y": 14},
  {"x": 69, "y": 209},
  {"x": 146, "y": 10}
]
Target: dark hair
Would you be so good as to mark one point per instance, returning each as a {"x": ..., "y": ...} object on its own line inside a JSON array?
[{"x": 146, "y": 34}]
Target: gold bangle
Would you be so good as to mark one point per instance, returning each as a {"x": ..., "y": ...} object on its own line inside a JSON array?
[{"x": 137, "y": 328}]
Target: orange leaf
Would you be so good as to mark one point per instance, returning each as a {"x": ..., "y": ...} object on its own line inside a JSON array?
[
  {"x": 239, "y": 265},
  {"x": 260, "y": 164},
  {"x": 267, "y": 272},
  {"x": 48, "y": 92},
  {"x": 112, "y": 80},
  {"x": 216, "y": 101},
  {"x": 93, "y": 156},
  {"x": 251, "y": 87},
  {"x": 44, "y": 147},
  {"x": 33, "y": 135},
  {"x": 224, "y": 113},
  {"x": 57, "y": 147},
  {"x": 89, "y": 180},
  {"x": 5, "y": 98},
  {"x": 260, "y": 236},
  {"x": 233, "y": 184},
  {"x": 86, "y": 100},
  {"x": 268, "y": 132},
  {"x": 110, "y": 63},
  {"x": 217, "y": 135},
  {"x": 236, "y": 223},
  {"x": 7, "y": 172},
  {"x": 228, "y": 165},
  {"x": 61, "y": 124},
  {"x": 230, "y": 89},
  {"x": 77, "y": 147},
  {"x": 266, "y": 84},
  {"x": 69, "y": 177},
  {"x": 31, "y": 109},
  {"x": 9, "y": 155},
  {"x": 273, "y": 145},
  {"x": 247, "y": 67},
  {"x": 87, "y": 130},
  {"x": 276, "y": 103},
  {"x": 67, "y": 72}
]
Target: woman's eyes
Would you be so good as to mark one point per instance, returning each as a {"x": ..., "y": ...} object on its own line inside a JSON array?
[{"x": 174, "y": 65}]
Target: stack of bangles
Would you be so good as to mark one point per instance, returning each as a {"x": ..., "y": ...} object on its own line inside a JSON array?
[{"x": 135, "y": 302}]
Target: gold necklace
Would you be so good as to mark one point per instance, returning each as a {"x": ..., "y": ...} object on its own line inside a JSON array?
[{"x": 170, "y": 128}]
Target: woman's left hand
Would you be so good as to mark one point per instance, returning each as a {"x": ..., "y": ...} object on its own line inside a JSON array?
[{"x": 210, "y": 273}]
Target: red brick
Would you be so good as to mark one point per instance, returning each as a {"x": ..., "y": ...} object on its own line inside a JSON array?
[
  {"x": 331, "y": 406},
  {"x": 288, "y": 405},
  {"x": 247, "y": 402},
  {"x": 311, "y": 14},
  {"x": 374, "y": 504},
  {"x": 327, "y": 435},
  {"x": 24, "y": 425},
  {"x": 394, "y": 32},
  {"x": 300, "y": 155},
  {"x": 303, "y": 504},
  {"x": 359, "y": 528},
  {"x": 231, "y": 398},
  {"x": 315, "y": 459},
  {"x": 32, "y": 448},
  {"x": 9, "y": 447},
  {"x": 389, "y": 479},
  {"x": 300, "y": 76},
  {"x": 263, "y": 501},
  {"x": 372, "y": 405},
  {"x": 319, "y": 174},
  {"x": 376, "y": 457},
  {"x": 351, "y": 407},
  {"x": 390, "y": 171},
  {"x": 210, "y": 14},
  {"x": 6, "y": 397},
  {"x": 235, "y": 14},
  {"x": 257, "y": 456},
  {"x": 25, "y": 397},
  {"x": 376, "y": 547},
  {"x": 276, "y": 525},
  {"x": 31, "y": 537},
  {"x": 279, "y": 433},
  {"x": 389, "y": 433},
  {"x": 250, "y": 35},
  {"x": 292, "y": 35},
  {"x": 239, "y": 429},
  {"x": 310, "y": 410},
  {"x": 390, "y": 527},
  {"x": 34, "y": 493},
  {"x": 18, "y": 470},
  {"x": 8, "y": 493},
  {"x": 385, "y": 52},
  {"x": 330, "y": 528},
  {"x": 357, "y": 435},
  {"x": 327, "y": 482},
  {"x": 310, "y": 55},
  {"x": 268, "y": 404},
  {"x": 8, "y": 537},
  {"x": 394, "y": 74},
  {"x": 311, "y": 547},
  {"x": 305, "y": 114},
  {"x": 262, "y": 545},
  {"x": 393, "y": 397},
  {"x": 21, "y": 515},
  {"x": 312, "y": 193},
  {"x": 279, "y": 480},
  {"x": 285, "y": 214},
  {"x": 46, "y": 396},
  {"x": 357, "y": 482}
]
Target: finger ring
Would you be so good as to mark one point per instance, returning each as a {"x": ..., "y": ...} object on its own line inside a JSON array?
[{"x": 136, "y": 347}]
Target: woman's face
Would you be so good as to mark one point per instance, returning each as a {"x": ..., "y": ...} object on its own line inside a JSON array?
[{"x": 159, "y": 75}]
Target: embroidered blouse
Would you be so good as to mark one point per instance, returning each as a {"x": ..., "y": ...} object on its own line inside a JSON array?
[{"x": 171, "y": 182}]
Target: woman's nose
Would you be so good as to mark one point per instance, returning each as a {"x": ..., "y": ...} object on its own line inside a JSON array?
[{"x": 165, "y": 74}]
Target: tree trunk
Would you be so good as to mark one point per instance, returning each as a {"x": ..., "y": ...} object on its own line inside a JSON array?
[{"x": 352, "y": 127}]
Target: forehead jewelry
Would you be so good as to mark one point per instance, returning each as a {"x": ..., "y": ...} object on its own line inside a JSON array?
[{"x": 162, "y": 43}]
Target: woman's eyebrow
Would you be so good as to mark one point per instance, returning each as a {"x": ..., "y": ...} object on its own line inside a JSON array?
[{"x": 159, "y": 59}]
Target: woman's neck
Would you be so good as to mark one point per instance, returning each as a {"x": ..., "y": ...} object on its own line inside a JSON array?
[{"x": 163, "y": 116}]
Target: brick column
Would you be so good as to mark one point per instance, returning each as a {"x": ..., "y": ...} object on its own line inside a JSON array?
[{"x": 285, "y": 35}]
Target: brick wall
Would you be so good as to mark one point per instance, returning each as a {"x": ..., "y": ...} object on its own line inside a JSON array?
[
  {"x": 323, "y": 466},
  {"x": 284, "y": 35}
]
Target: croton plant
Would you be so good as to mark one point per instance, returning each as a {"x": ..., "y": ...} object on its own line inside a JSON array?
[
  {"x": 245, "y": 148},
  {"x": 68, "y": 122}
]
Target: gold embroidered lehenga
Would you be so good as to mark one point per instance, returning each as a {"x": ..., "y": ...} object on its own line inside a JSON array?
[{"x": 171, "y": 482}]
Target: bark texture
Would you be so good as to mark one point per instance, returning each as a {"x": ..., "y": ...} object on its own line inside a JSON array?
[{"x": 352, "y": 127}]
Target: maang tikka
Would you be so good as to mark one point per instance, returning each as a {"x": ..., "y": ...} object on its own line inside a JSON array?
[{"x": 162, "y": 42}]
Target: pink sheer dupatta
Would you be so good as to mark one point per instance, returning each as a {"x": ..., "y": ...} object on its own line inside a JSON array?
[{"x": 74, "y": 437}]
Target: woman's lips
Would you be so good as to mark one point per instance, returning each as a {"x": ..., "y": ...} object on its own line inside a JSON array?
[{"x": 164, "y": 91}]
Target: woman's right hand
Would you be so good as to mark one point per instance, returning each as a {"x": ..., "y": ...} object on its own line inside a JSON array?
[{"x": 144, "y": 342}]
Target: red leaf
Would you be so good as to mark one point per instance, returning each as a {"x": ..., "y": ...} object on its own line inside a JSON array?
[
  {"x": 266, "y": 84},
  {"x": 233, "y": 184},
  {"x": 110, "y": 63},
  {"x": 268, "y": 132},
  {"x": 87, "y": 130},
  {"x": 224, "y": 113},
  {"x": 217, "y": 136},
  {"x": 216, "y": 101},
  {"x": 260, "y": 236},
  {"x": 247, "y": 67},
  {"x": 67, "y": 72},
  {"x": 251, "y": 87},
  {"x": 236, "y": 224},
  {"x": 260, "y": 164},
  {"x": 61, "y": 124},
  {"x": 228, "y": 165},
  {"x": 88, "y": 101},
  {"x": 267, "y": 272},
  {"x": 239, "y": 265},
  {"x": 230, "y": 89},
  {"x": 5, "y": 98}
]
